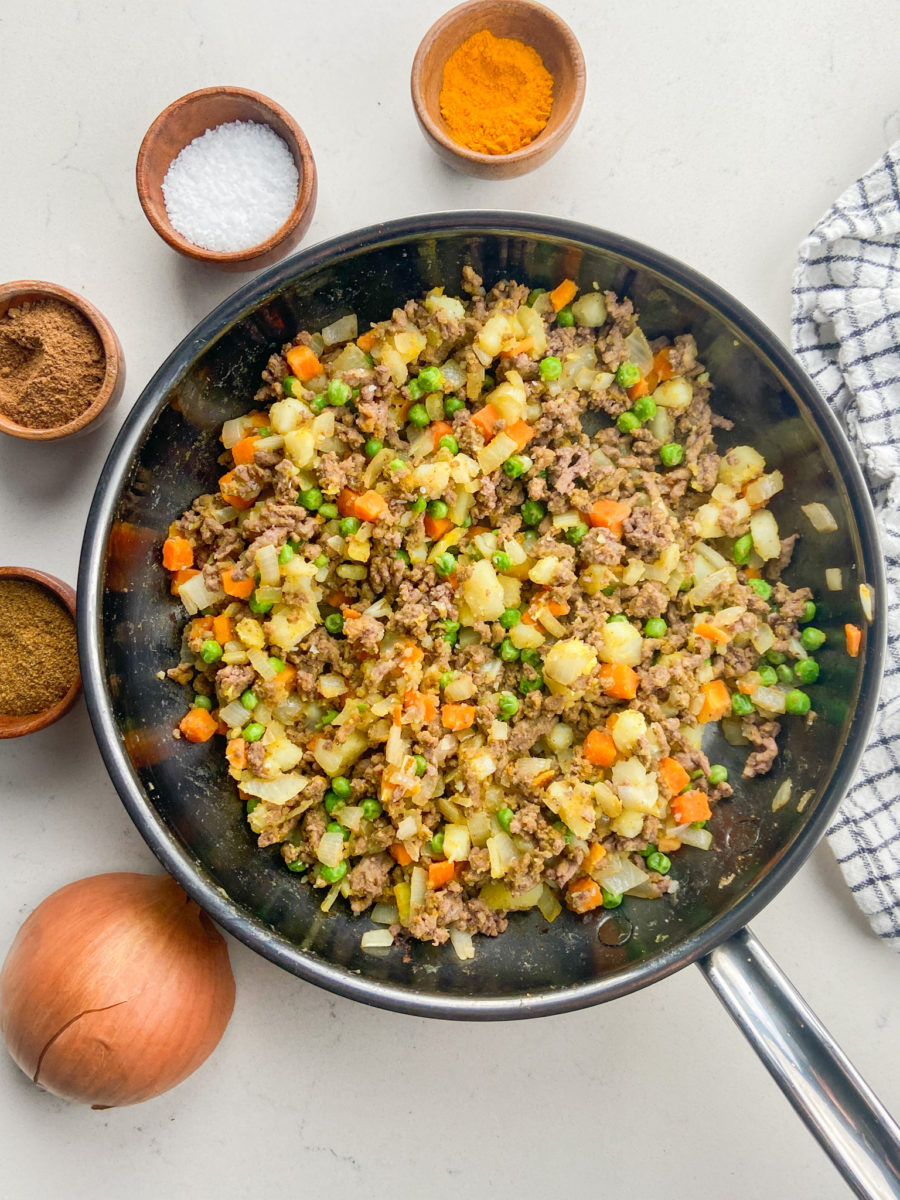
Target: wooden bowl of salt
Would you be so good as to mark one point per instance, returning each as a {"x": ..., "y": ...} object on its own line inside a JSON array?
[{"x": 226, "y": 176}]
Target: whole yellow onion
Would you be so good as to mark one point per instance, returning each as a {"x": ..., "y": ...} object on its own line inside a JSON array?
[{"x": 115, "y": 989}]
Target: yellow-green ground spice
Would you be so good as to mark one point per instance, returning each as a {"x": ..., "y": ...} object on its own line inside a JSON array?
[{"x": 38, "y": 648}]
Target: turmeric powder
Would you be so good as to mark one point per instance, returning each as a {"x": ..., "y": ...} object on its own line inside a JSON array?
[{"x": 496, "y": 94}]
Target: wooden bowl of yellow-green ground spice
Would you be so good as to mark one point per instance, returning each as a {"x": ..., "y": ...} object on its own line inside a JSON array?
[
  {"x": 497, "y": 86},
  {"x": 39, "y": 673}
]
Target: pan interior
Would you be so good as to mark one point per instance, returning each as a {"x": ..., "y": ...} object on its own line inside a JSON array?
[{"x": 181, "y": 795}]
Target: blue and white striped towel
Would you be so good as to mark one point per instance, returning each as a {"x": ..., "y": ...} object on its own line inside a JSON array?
[{"x": 846, "y": 334}]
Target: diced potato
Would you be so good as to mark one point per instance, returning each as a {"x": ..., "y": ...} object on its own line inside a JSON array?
[
  {"x": 483, "y": 592},
  {"x": 492, "y": 456},
  {"x": 761, "y": 490},
  {"x": 492, "y": 335},
  {"x": 431, "y": 479},
  {"x": 464, "y": 470},
  {"x": 629, "y": 728},
  {"x": 410, "y": 343},
  {"x": 509, "y": 398},
  {"x": 544, "y": 570},
  {"x": 622, "y": 643},
  {"x": 634, "y": 572},
  {"x": 287, "y": 627},
  {"x": 569, "y": 660},
  {"x": 435, "y": 302},
  {"x": 740, "y": 465},
  {"x": 358, "y": 551},
  {"x": 637, "y": 790},
  {"x": 576, "y": 809},
  {"x": 457, "y": 842},
  {"x": 396, "y": 364},
  {"x": 532, "y": 325},
  {"x": 764, "y": 531},
  {"x": 595, "y": 578},
  {"x": 300, "y": 446},
  {"x": 334, "y": 760},
  {"x": 705, "y": 521},
  {"x": 512, "y": 591},
  {"x": 514, "y": 549},
  {"x": 287, "y": 415},
  {"x": 607, "y": 800},
  {"x": 460, "y": 507},
  {"x": 526, "y": 637},
  {"x": 590, "y": 309},
  {"x": 282, "y": 756},
  {"x": 251, "y": 634},
  {"x": 665, "y": 564},
  {"x": 460, "y": 688},
  {"x": 628, "y": 824},
  {"x": 676, "y": 394},
  {"x": 502, "y": 853},
  {"x": 560, "y": 737}
]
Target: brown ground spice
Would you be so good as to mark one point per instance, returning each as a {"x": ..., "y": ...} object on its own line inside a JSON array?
[
  {"x": 38, "y": 648},
  {"x": 51, "y": 364}
]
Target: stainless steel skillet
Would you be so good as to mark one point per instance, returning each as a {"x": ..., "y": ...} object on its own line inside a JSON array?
[{"x": 184, "y": 806}]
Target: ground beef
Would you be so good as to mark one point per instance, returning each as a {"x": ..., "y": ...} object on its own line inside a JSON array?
[
  {"x": 762, "y": 734},
  {"x": 368, "y": 880},
  {"x": 232, "y": 681}
]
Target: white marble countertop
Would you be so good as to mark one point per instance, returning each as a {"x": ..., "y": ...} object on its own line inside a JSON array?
[{"x": 716, "y": 132}]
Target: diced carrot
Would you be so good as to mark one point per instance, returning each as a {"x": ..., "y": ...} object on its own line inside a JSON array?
[
  {"x": 558, "y": 608},
  {"x": 641, "y": 388},
  {"x": 181, "y": 577},
  {"x": 563, "y": 294},
  {"x": 608, "y": 514},
  {"x": 223, "y": 629},
  {"x": 747, "y": 686},
  {"x": 525, "y": 346},
  {"x": 258, "y": 419},
  {"x": 244, "y": 450},
  {"x": 283, "y": 683},
  {"x": 853, "y": 639},
  {"x": 336, "y": 599},
  {"x": 236, "y": 753},
  {"x": 690, "y": 807},
  {"x": 436, "y": 527},
  {"x": 177, "y": 554},
  {"x": 350, "y": 614},
  {"x": 520, "y": 432},
  {"x": 716, "y": 701},
  {"x": 484, "y": 421},
  {"x": 668, "y": 845},
  {"x": 399, "y": 854},
  {"x": 241, "y": 589},
  {"x": 411, "y": 655},
  {"x": 618, "y": 681},
  {"x": 599, "y": 748},
  {"x": 420, "y": 703},
  {"x": 438, "y": 430},
  {"x": 753, "y": 572},
  {"x": 612, "y": 721},
  {"x": 229, "y": 498},
  {"x": 200, "y": 629},
  {"x": 595, "y": 855},
  {"x": 662, "y": 364},
  {"x": 458, "y": 716},
  {"x": 673, "y": 775},
  {"x": 584, "y": 894},
  {"x": 712, "y": 633},
  {"x": 346, "y": 502},
  {"x": 370, "y": 506},
  {"x": 440, "y": 873},
  {"x": 367, "y": 340},
  {"x": 303, "y": 363},
  {"x": 198, "y": 725}
]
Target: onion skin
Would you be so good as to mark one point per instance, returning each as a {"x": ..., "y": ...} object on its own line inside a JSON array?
[{"x": 115, "y": 989}]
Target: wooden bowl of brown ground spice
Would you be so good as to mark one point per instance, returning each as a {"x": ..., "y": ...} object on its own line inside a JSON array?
[
  {"x": 61, "y": 364},
  {"x": 39, "y": 673}
]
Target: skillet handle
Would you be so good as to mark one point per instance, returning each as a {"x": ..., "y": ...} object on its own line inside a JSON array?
[{"x": 852, "y": 1125}]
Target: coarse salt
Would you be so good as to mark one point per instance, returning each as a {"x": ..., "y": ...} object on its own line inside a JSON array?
[{"x": 232, "y": 187}]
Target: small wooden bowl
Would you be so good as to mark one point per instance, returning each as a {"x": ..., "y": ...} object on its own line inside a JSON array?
[
  {"x": 526, "y": 22},
  {"x": 11, "y": 727},
  {"x": 189, "y": 118},
  {"x": 23, "y": 290}
]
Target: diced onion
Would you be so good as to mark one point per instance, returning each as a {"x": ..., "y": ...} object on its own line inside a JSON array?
[
  {"x": 867, "y": 600},
  {"x": 195, "y": 595},
  {"x": 549, "y": 904},
  {"x": 502, "y": 854},
  {"x": 333, "y": 892},
  {"x": 350, "y": 816},
  {"x": 276, "y": 791},
  {"x": 700, "y": 839},
  {"x": 781, "y": 797},
  {"x": 834, "y": 579},
  {"x": 771, "y": 700},
  {"x": 330, "y": 850},
  {"x": 234, "y": 714},
  {"x": 407, "y": 828},
  {"x": 638, "y": 350},
  {"x": 344, "y": 329},
  {"x": 385, "y": 914},
  {"x": 462, "y": 943},
  {"x": 267, "y": 562},
  {"x": 376, "y": 939},
  {"x": 261, "y": 665},
  {"x": 233, "y": 431},
  {"x": 417, "y": 884},
  {"x": 620, "y": 874},
  {"x": 820, "y": 517}
]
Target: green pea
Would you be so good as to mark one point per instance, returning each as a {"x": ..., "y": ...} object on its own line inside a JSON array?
[
  {"x": 418, "y": 416},
  {"x": 742, "y": 550},
  {"x": 372, "y": 447},
  {"x": 449, "y": 442},
  {"x": 438, "y": 509},
  {"x": 445, "y": 678},
  {"x": 761, "y": 587},
  {"x": 349, "y": 526},
  {"x": 628, "y": 374},
  {"x": 311, "y": 498},
  {"x": 656, "y": 628},
  {"x": 259, "y": 606},
  {"x": 508, "y": 652},
  {"x": 285, "y": 554},
  {"x": 488, "y": 383},
  {"x": 768, "y": 676},
  {"x": 533, "y": 295},
  {"x": 575, "y": 534},
  {"x": 298, "y": 866},
  {"x": 718, "y": 774},
  {"x": 415, "y": 389},
  {"x": 796, "y": 702},
  {"x": 253, "y": 732},
  {"x": 611, "y": 899},
  {"x": 318, "y": 404},
  {"x": 776, "y": 658},
  {"x": 530, "y": 685},
  {"x": 251, "y": 804},
  {"x": 501, "y": 560},
  {"x": 337, "y": 392},
  {"x": 741, "y": 705},
  {"x": 533, "y": 512},
  {"x": 419, "y": 504},
  {"x": 403, "y": 555},
  {"x": 627, "y": 422},
  {"x": 453, "y": 404},
  {"x": 421, "y": 764},
  {"x": 328, "y": 511},
  {"x": 784, "y": 673},
  {"x": 249, "y": 700},
  {"x": 550, "y": 368},
  {"x": 644, "y": 408},
  {"x": 659, "y": 862},
  {"x": 807, "y": 670},
  {"x": 562, "y": 828},
  {"x": 290, "y": 386},
  {"x": 334, "y": 874},
  {"x": 277, "y": 664},
  {"x": 507, "y": 705},
  {"x": 531, "y": 658},
  {"x": 450, "y": 631},
  {"x": 516, "y": 466},
  {"x": 699, "y": 824},
  {"x": 809, "y": 612},
  {"x": 671, "y": 454},
  {"x": 321, "y": 561},
  {"x": 211, "y": 651},
  {"x": 333, "y": 802},
  {"x": 445, "y": 564},
  {"x": 396, "y": 464},
  {"x": 697, "y": 773},
  {"x": 565, "y": 318},
  {"x": 371, "y": 808},
  {"x": 811, "y": 639},
  {"x": 504, "y": 817},
  {"x": 431, "y": 379},
  {"x": 341, "y": 786},
  {"x": 510, "y": 617},
  {"x": 436, "y": 845},
  {"x": 335, "y": 827},
  {"x": 330, "y": 715},
  {"x": 334, "y": 623},
  {"x": 616, "y": 617}
]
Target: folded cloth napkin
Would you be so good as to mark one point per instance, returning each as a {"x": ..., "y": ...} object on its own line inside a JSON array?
[{"x": 846, "y": 334}]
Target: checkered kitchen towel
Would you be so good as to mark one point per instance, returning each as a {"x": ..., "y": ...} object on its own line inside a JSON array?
[{"x": 846, "y": 333}]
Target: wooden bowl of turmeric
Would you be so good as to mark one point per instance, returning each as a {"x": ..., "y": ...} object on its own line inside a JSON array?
[{"x": 497, "y": 86}]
